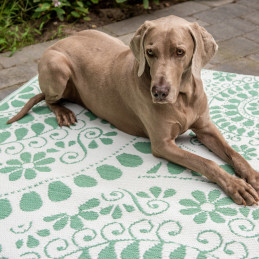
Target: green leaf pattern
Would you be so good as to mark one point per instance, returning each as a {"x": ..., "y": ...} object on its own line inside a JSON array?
[{"x": 91, "y": 191}]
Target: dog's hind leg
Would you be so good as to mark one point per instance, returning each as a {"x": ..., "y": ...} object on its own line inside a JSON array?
[{"x": 54, "y": 74}]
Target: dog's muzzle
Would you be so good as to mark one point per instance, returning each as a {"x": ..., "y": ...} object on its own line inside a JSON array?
[{"x": 160, "y": 92}]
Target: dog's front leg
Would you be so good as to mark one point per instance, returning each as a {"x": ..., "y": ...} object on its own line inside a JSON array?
[
  {"x": 239, "y": 190},
  {"x": 211, "y": 137}
]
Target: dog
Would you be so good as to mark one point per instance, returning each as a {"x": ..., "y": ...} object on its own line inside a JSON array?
[{"x": 152, "y": 89}]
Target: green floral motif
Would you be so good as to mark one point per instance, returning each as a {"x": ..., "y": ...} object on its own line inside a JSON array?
[
  {"x": 211, "y": 206},
  {"x": 85, "y": 212},
  {"x": 156, "y": 191},
  {"x": 223, "y": 76},
  {"x": 30, "y": 240},
  {"x": 247, "y": 152},
  {"x": 236, "y": 110},
  {"x": 28, "y": 165}
]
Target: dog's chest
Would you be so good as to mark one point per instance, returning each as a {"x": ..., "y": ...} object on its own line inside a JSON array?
[{"x": 184, "y": 114}]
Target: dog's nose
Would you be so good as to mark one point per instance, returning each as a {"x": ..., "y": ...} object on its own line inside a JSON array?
[{"x": 160, "y": 92}]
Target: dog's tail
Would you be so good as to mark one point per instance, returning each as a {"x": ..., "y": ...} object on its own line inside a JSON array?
[{"x": 34, "y": 100}]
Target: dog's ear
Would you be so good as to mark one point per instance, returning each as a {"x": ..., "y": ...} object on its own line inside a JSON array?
[
  {"x": 205, "y": 47},
  {"x": 137, "y": 45}
]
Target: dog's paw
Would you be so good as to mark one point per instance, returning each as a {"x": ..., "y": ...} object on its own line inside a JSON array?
[
  {"x": 253, "y": 179},
  {"x": 241, "y": 192},
  {"x": 65, "y": 117}
]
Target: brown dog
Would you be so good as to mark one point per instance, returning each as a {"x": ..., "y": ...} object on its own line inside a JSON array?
[{"x": 151, "y": 89}]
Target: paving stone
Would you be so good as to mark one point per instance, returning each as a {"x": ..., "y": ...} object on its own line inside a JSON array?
[
  {"x": 126, "y": 38},
  {"x": 183, "y": 9},
  {"x": 6, "y": 91},
  {"x": 222, "y": 32},
  {"x": 27, "y": 54},
  {"x": 223, "y": 55},
  {"x": 105, "y": 30},
  {"x": 193, "y": 19},
  {"x": 239, "y": 46},
  {"x": 255, "y": 57},
  {"x": 17, "y": 75},
  {"x": 215, "y": 3},
  {"x": 241, "y": 65},
  {"x": 250, "y": 3},
  {"x": 129, "y": 25},
  {"x": 219, "y": 14},
  {"x": 253, "y": 17},
  {"x": 253, "y": 35},
  {"x": 230, "y": 28}
]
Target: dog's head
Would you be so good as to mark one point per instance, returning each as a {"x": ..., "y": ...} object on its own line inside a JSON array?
[{"x": 169, "y": 49}]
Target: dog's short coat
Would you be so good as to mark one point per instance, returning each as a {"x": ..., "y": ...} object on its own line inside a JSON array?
[{"x": 152, "y": 89}]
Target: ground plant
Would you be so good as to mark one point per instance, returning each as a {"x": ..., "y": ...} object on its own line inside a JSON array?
[{"x": 22, "y": 21}]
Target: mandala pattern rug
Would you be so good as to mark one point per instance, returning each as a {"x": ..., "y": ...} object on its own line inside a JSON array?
[{"x": 92, "y": 191}]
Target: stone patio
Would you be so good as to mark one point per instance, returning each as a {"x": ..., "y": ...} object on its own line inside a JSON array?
[{"x": 234, "y": 25}]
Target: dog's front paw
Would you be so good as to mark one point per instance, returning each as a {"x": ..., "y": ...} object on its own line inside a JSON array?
[
  {"x": 253, "y": 179},
  {"x": 241, "y": 192}
]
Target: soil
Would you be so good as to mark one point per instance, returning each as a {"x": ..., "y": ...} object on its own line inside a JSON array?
[{"x": 104, "y": 13}]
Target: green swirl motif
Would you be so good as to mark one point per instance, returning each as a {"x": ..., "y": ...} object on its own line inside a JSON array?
[{"x": 236, "y": 110}]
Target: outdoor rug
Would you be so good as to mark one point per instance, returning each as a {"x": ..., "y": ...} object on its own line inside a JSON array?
[{"x": 92, "y": 191}]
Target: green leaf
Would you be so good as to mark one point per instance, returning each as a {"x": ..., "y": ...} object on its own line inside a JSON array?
[
  {"x": 19, "y": 244},
  {"x": 32, "y": 242},
  {"x": 169, "y": 193},
  {"x": 199, "y": 196},
  {"x": 106, "y": 210},
  {"x": 75, "y": 14},
  {"x": 174, "y": 168},
  {"x": 61, "y": 223},
  {"x": 15, "y": 175},
  {"x": 143, "y": 147},
  {"x": 17, "y": 103},
  {"x": 154, "y": 252},
  {"x": 93, "y": 144},
  {"x": 38, "y": 128},
  {"x": 20, "y": 133},
  {"x": 129, "y": 160},
  {"x": 60, "y": 144},
  {"x": 223, "y": 202},
  {"x": 131, "y": 251},
  {"x": 4, "y": 136},
  {"x": 108, "y": 252},
  {"x": 201, "y": 217},
  {"x": 245, "y": 211},
  {"x": 128, "y": 208},
  {"x": 216, "y": 217},
  {"x": 214, "y": 195},
  {"x": 155, "y": 191},
  {"x": 154, "y": 169},
  {"x": 43, "y": 232},
  {"x": 106, "y": 141},
  {"x": 91, "y": 116},
  {"x": 109, "y": 172},
  {"x": 76, "y": 222},
  {"x": 89, "y": 215},
  {"x": 92, "y": 203},
  {"x": 146, "y": 4},
  {"x": 110, "y": 134},
  {"x": 189, "y": 203},
  {"x": 227, "y": 211},
  {"x": 53, "y": 217},
  {"x": 230, "y": 106},
  {"x": 142, "y": 194},
  {"x": 179, "y": 253},
  {"x": 255, "y": 214},
  {"x": 117, "y": 213}
]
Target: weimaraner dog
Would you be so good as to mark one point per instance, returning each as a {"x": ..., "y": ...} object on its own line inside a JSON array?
[{"x": 152, "y": 89}]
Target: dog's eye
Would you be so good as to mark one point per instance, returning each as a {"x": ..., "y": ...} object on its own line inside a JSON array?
[
  {"x": 150, "y": 52},
  {"x": 180, "y": 52}
]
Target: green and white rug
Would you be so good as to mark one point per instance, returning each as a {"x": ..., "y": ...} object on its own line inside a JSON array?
[{"x": 92, "y": 191}]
